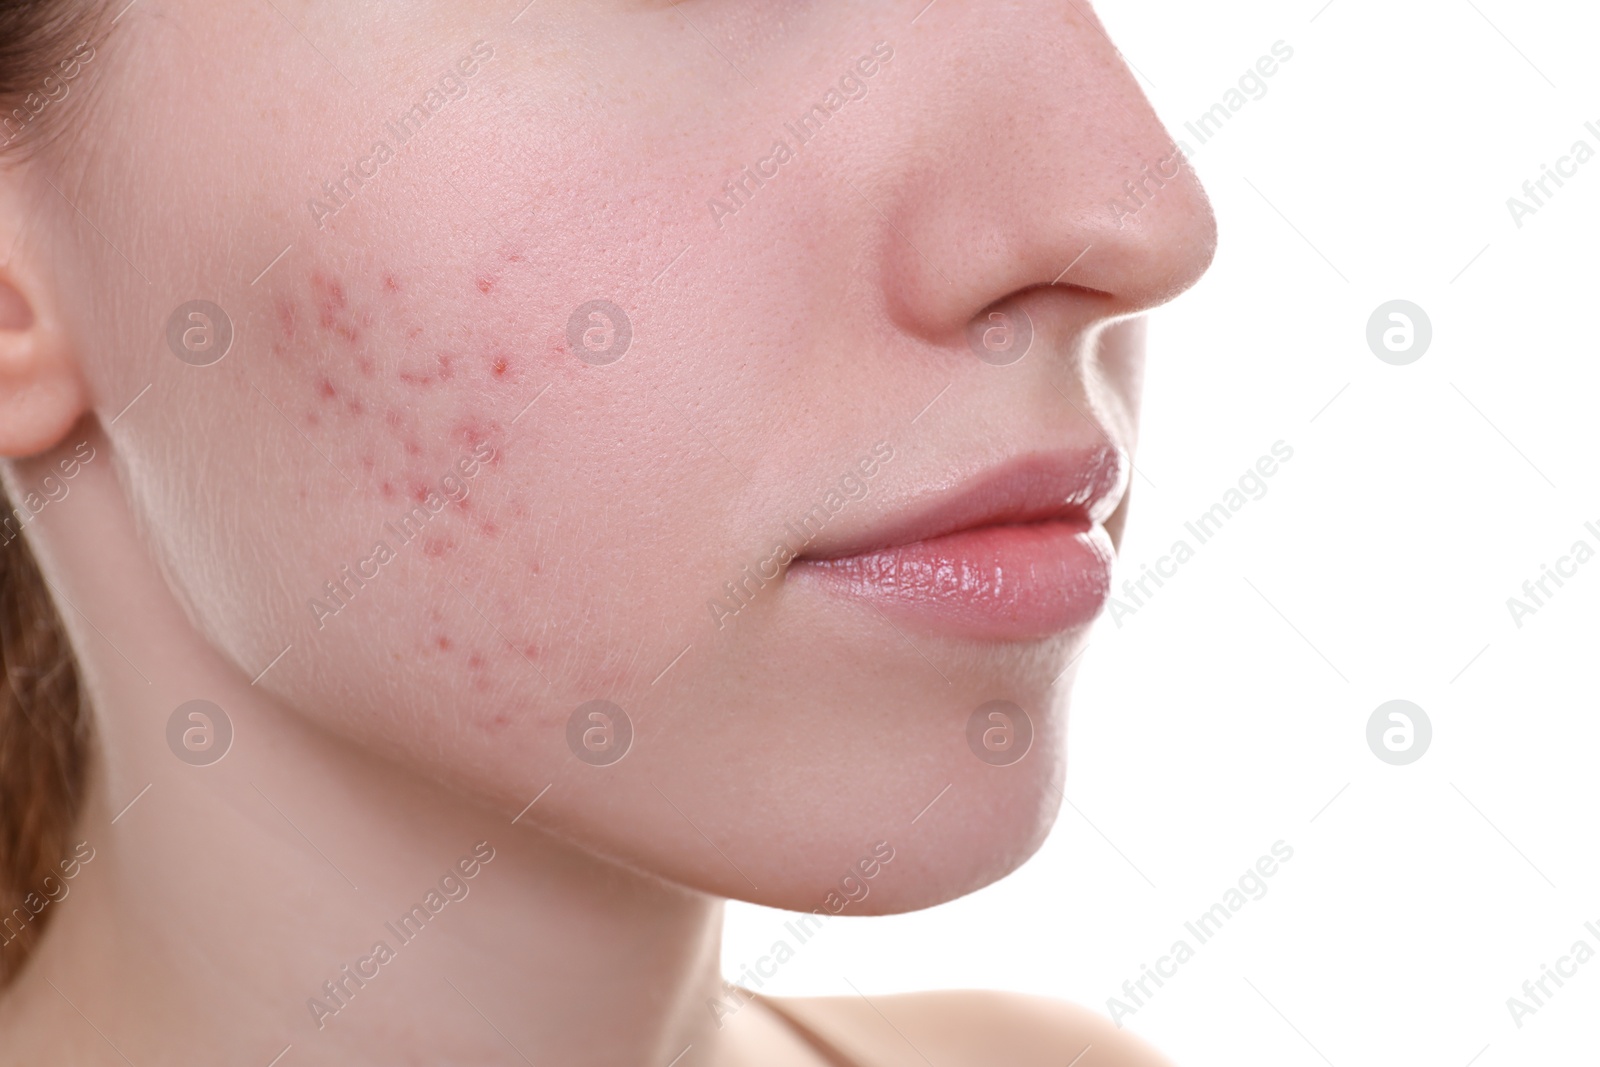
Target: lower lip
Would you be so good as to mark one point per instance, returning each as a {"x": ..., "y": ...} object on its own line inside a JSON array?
[{"x": 996, "y": 583}]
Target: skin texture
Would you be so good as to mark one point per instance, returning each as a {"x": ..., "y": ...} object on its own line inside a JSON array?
[{"x": 388, "y": 340}]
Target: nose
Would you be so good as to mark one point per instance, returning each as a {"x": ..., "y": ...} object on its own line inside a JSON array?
[{"x": 1026, "y": 155}]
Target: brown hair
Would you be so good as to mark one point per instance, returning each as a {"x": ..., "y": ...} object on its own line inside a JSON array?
[{"x": 43, "y": 728}]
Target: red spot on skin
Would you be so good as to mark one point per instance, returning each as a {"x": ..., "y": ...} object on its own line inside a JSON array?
[
  {"x": 419, "y": 380},
  {"x": 443, "y": 643},
  {"x": 365, "y": 363},
  {"x": 500, "y": 721},
  {"x": 499, "y": 366},
  {"x": 513, "y": 257},
  {"x": 390, "y": 284},
  {"x": 414, "y": 332},
  {"x": 480, "y": 684},
  {"x": 488, "y": 529},
  {"x": 485, "y": 285},
  {"x": 313, "y": 419},
  {"x": 475, "y": 661},
  {"x": 470, "y": 432},
  {"x": 531, "y": 651},
  {"x": 368, "y": 464},
  {"x": 286, "y": 317},
  {"x": 413, "y": 449},
  {"x": 356, "y": 407},
  {"x": 367, "y": 318},
  {"x": 445, "y": 371},
  {"x": 419, "y": 492},
  {"x": 436, "y": 548},
  {"x": 325, "y": 388},
  {"x": 388, "y": 491}
]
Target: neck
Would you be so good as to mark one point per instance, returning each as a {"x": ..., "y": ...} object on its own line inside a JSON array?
[{"x": 300, "y": 893}]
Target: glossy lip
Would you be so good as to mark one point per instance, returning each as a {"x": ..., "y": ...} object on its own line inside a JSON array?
[{"x": 1015, "y": 553}]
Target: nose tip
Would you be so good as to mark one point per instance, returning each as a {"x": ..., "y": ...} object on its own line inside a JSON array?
[{"x": 1157, "y": 238}]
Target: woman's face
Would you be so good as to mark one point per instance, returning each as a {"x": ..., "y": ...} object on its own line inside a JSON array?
[{"x": 571, "y": 349}]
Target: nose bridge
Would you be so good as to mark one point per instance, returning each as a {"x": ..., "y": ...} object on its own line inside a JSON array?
[{"x": 1030, "y": 157}]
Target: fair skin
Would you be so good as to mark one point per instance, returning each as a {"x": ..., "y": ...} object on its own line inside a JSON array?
[{"x": 413, "y": 327}]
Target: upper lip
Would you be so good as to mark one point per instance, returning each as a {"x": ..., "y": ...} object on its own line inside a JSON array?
[{"x": 1081, "y": 485}]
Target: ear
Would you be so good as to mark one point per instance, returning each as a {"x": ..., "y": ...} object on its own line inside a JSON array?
[{"x": 42, "y": 389}]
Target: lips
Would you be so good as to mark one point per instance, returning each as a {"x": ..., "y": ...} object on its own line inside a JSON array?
[{"x": 1016, "y": 552}]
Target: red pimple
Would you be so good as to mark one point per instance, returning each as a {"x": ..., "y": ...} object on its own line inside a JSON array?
[
  {"x": 443, "y": 643},
  {"x": 488, "y": 529},
  {"x": 499, "y": 366},
  {"x": 531, "y": 651},
  {"x": 437, "y": 548},
  {"x": 325, "y": 388},
  {"x": 485, "y": 284},
  {"x": 475, "y": 661},
  {"x": 390, "y": 284},
  {"x": 387, "y": 489},
  {"x": 355, "y": 407},
  {"x": 413, "y": 449}
]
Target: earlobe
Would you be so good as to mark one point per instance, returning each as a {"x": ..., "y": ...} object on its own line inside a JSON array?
[{"x": 42, "y": 390}]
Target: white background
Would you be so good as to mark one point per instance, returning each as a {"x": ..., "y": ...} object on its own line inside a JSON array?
[{"x": 1231, "y": 710}]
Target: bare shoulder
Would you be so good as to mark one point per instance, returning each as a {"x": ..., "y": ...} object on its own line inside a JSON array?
[{"x": 969, "y": 1028}]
